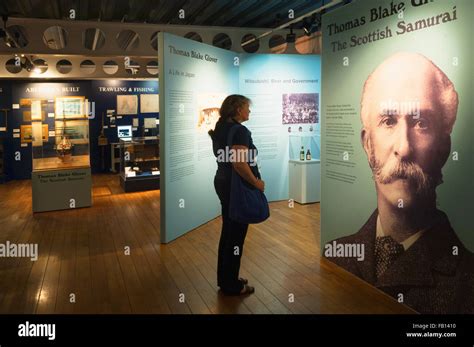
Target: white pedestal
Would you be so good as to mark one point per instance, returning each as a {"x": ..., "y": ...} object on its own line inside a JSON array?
[{"x": 305, "y": 181}]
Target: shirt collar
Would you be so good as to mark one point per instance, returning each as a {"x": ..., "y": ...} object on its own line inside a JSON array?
[{"x": 407, "y": 243}]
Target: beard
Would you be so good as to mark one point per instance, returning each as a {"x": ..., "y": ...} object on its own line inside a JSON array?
[{"x": 423, "y": 184}]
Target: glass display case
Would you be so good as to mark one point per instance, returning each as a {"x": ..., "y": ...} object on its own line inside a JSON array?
[
  {"x": 61, "y": 177},
  {"x": 140, "y": 163},
  {"x": 306, "y": 144},
  {"x": 304, "y": 168},
  {"x": 64, "y": 145}
]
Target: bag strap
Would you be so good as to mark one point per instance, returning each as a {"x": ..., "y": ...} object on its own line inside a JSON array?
[{"x": 231, "y": 134}]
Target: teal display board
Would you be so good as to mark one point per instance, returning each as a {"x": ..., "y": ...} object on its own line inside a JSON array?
[
  {"x": 418, "y": 55},
  {"x": 194, "y": 80},
  {"x": 284, "y": 90}
]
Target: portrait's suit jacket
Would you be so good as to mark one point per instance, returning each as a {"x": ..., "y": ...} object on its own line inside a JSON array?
[{"x": 430, "y": 277}]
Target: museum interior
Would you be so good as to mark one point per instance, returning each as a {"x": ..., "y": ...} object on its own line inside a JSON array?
[{"x": 107, "y": 197}]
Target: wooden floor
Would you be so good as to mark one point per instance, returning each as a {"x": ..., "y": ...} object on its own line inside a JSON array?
[{"x": 82, "y": 256}]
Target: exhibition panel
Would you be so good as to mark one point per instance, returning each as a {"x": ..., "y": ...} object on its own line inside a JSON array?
[
  {"x": 397, "y": 149},
  {"x": 195, "y": 79},
  {"x": 285, "y": 91},
  {"x": 284, "y": 101}
]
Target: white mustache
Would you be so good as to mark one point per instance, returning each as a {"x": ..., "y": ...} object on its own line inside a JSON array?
[{"x": 395, "y": 169}]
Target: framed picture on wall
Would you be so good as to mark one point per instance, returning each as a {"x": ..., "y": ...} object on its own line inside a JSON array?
[
  {"x": 150, "y": 123},
  {"x": 127, "y": 104},
  {"x": 37, "y": 110},
  {"x": 149, "y": 103},
  {"x": 26, "y": 116},
  {"x": 77, "y": 131},
  {"x": 26, "y": 133},
  {"x": 25, "y": 102},
  {"x": 39, "y": 133},
  {"x": 70, "y": 107}
]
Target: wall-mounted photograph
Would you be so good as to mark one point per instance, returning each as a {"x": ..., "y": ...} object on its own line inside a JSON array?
[
  {"x": 300, "y": 108},
  {"x": 149, "y": 103},
  {"x": 70, "y": 107},
  {"x": 127, "y": 104}
]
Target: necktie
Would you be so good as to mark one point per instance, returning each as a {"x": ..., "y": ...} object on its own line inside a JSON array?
[{"x": 387, "y": 251}]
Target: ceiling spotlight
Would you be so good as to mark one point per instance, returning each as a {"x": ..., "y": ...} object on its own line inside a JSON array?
[
  {"x": 312, "y": 24},
  {"x": 7, "y": 39},
  {"x": 307, "y": 27},
  {"x": 26, "y": 63},
  {"x": 6, "y": 35}
]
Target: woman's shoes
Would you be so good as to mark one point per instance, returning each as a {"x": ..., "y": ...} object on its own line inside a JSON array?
[
  {"x": 244, "y": 280},
  {"x": 247, "y": 290}
]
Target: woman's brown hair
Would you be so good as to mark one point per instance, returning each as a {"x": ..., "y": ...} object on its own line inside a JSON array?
[{"x": 229, "y": 108}]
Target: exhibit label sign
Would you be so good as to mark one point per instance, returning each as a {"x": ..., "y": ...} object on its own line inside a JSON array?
[{"x": 61, "y": 189}]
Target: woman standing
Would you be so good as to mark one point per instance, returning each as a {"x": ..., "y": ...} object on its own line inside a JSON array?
[{"x": 234, "y": 111}]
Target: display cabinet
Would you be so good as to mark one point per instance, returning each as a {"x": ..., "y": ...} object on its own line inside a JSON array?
[
  {"x": 61, "y": 177},
  {"x": 305, "y": 142},
  {"x": 66, "y": 148},
  {"x": 304, "y": 168},
  {"x": 140, "y": 163},
  {"x": 305, "y": 181}
]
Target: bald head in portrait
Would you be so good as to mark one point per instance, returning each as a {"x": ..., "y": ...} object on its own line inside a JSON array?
[{"x": 408, "y": 112}]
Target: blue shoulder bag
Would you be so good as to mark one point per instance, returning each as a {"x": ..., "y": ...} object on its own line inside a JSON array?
[{"x": 247, "y": 205}]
